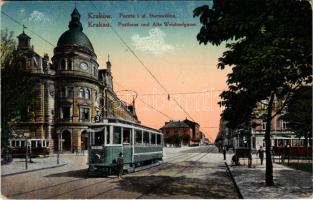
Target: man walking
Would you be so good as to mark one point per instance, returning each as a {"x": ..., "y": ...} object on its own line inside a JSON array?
[
  {"x": 261, "y": 154},
  {"x": 120, "y": 165}
]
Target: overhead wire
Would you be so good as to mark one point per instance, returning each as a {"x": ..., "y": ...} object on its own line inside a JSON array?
[
  {"x": 142, "y": 63},
  {"x": 17, "y": 22}
]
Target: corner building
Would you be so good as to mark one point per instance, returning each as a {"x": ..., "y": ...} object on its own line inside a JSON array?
[{"x": 78, "y": 95}]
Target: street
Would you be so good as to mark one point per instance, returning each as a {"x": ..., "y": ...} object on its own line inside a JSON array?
[{"x": 197, "y": 172}]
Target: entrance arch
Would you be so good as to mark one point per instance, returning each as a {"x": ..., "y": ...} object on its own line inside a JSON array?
[
  {"x": 66, "y": 140},
  {"x": 84, "y": 140}
]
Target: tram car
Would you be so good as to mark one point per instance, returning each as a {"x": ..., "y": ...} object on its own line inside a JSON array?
[
  {"x": 38, "y": 147},
  {"x": 139, "y": 144}
]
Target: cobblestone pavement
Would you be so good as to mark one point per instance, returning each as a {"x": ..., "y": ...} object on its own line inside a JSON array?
[
  {"x": 289, "y": 183},
  {"x": 199, "y": 174}
]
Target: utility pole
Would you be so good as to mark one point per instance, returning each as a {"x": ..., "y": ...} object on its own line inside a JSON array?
[
  {"x": 58, "y": 152},
  {"x": 26, "y": 156}
]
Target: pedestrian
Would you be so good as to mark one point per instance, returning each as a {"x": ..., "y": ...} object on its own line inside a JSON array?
[
  {"x": 261, "y": 154},
  {"x": 224, "y": 152},
  {"x": 120, "y": 165}
]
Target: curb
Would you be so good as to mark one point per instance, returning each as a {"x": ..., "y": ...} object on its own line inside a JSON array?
[
  {"x": 33, "y": 170},
  {"x": 234, "y": 182}
]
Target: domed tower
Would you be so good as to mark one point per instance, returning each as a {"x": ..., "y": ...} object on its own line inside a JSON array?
[{"x": 76, "y": 82}]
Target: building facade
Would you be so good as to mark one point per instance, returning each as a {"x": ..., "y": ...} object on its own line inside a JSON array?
[
  {"x": 254, "y": 137},
  {"x": 74, "y": 94},
  {"x": 182, "y": 133}
]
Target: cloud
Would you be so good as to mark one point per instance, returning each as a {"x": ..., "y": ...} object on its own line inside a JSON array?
[
  {"x": 154, "y": 42},
  {"x": 22, "y": 11},
  {"x": 38, "y": 17}
]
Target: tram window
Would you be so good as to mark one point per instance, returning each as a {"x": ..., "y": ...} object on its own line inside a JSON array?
[
  {"x": 153, "y": 138},
  {"x": 126, "y": 136},
  {"x": 108, "y": 135},
  {"x": 99, "y": 138},
  {"x": 117, "y": 133},
  {"x": 33, "y": 143},
  {"x": 138, "y": 137},
  {"x": 39, "y": 143},
  {"x": 13, "y": 143},
  {"x": 158, "y": 139},
  {"x": 47, "y": 143},
  {"x": 22, "y": 143},
  {"x": 146, "y": 137}
]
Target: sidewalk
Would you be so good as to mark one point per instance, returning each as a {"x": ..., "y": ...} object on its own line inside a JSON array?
[
  {"x": 289, "y": 183},
  {"x": 18, "y": 165}
]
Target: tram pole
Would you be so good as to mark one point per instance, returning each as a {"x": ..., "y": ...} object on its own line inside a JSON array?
[
  {"x": 58, "y": 152},
  {"x": 26, "y": 156}
]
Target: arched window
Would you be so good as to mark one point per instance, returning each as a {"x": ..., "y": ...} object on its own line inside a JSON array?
[
  {"x": 63, "y": 64},
  {"x": 69, "y": 64},
  {"x": 81, "y": 92},
  {"x": 87, "y": 94}
]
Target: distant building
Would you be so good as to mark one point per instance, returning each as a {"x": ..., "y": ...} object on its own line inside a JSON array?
[
  {"x": 180, "y": 133},
  {"x": 254, "y": 137},
  {"x": 72, "y": 96}
]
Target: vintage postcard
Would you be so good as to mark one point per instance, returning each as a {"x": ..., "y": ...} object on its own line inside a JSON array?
[{"x": 207, "y": 99}]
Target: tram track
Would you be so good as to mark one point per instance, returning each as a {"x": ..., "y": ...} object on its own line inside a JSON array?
[
  {"x": 150, "y": 173},
  {"x": 142, "y": 173},
  {"x": 166, "y": 183},
  {"x": 99, "y": 184}
]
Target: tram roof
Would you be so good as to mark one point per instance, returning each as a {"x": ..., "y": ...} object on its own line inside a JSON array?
[{"x": 116, "y": 120}]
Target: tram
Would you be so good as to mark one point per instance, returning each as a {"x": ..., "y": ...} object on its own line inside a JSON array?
[
  {"x": 139, "y": 144},
  {"x": 38, "y": 147}
]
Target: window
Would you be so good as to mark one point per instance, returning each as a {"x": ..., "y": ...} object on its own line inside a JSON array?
[
  {"x": 126, "y": 135},
  {"x": 108, "y": 135},
  {"x": 263, "y": 125},
  {"x": 146, "y": 137},
  {"x": 22, "y": 143},
  {"x": 158, "y": 139},
  {"x": 87, "y": 94},
  {"x": 69, "y": 64},
  {"x": 138, "y": 137},
  {"x": 33, "y": 144},
  {"x": 84, "y": 93},
  {"x": 153, "y": 138},
  {"x": 66, "y": 112},
  {"x": 39, "y": 143},
  {"x": 63, "y": 65},
  {"x": 117, "y": 135},
  {"x": 84, "y": 114},
  {"x": 284, "y": 125},
  {"x": 70, "y": 92},
  {"x": 99, "y": 138},
  {"x": 81, "y": 92}
]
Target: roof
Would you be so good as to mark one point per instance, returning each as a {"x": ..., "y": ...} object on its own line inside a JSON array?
[
  {"x": 175, "y": 124},
  {"x": 23, "y": 35},
  {"x": 75, "y": 35}
]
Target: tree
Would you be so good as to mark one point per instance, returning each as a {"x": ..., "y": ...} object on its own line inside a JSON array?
[
  {"x": 299, "y": 113},
  {"x": 17, "y": 86},
  {"x": 269, "y": 50}
]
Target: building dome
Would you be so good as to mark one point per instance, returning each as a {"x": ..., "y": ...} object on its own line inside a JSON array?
[{"x": 75, "y": 35}]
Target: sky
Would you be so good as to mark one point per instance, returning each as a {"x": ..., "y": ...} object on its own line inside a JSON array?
[{"x": 171, "y": 53}]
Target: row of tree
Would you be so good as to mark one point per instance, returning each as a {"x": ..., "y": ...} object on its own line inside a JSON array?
[{"x": 269, "y": 49}]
